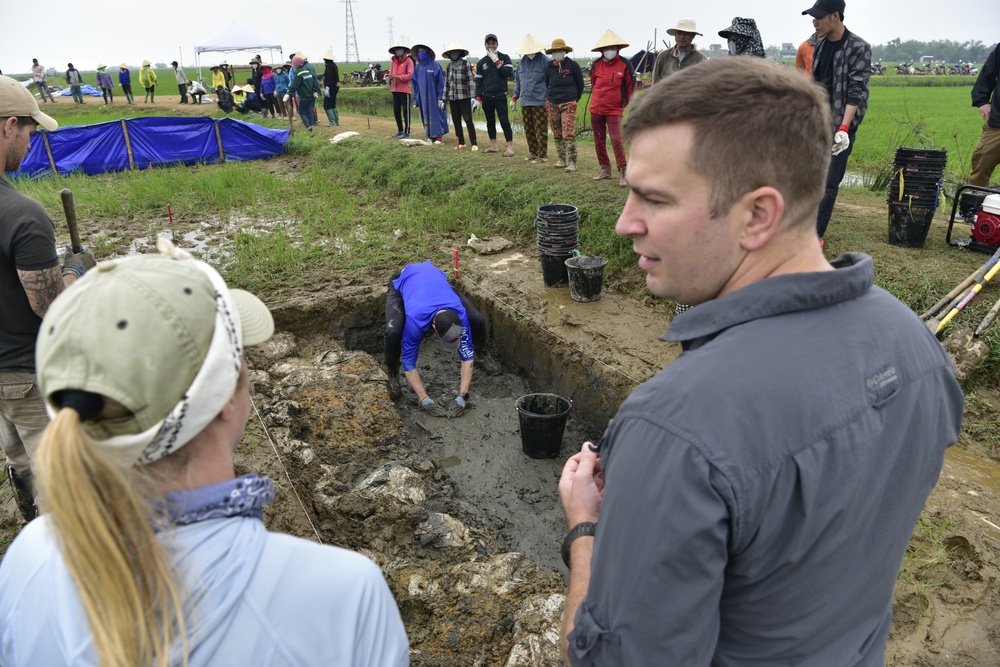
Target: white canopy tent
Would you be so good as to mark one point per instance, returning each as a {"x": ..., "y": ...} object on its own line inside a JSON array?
[{"x": 235, "y": 37}]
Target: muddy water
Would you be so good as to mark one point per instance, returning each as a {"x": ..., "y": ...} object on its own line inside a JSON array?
[{"x": 482, "y": 456}]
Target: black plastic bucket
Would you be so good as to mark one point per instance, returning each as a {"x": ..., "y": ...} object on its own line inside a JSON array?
[
  {"x": 909, "y": 224},
  {"x": 543, "y": 419},
  {"x": 586, "y": 277},
  {"x": 558, "y": 212},
  {"x": 554, "y": 268}
]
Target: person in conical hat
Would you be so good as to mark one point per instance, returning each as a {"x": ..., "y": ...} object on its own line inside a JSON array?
[
  {"x": 399, "y": 76},
  {"x": 530, "y": 89},
  {"x": 147, "y": 79},
  {"x": 331, "y": 86},
  {"x": 564, "y": 88},
  {"x": 683, "y": 54},
  {"x": 125, "y": 81},
  {"x": 612, "y": 81},
  {"x": 459, "y": 84},
  {"x": 105, "y": 83},
  {"x": 428, "y": 93}
]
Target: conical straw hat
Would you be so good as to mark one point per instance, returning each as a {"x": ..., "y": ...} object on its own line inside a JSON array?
[
  {"x": 328, "y": 55},
  {"x": 454, "y": 46},
  {"x": 529, "y": 45},
  {"x": 609, "y": 38}
]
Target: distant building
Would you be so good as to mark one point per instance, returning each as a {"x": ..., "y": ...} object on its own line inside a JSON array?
[{"x": 788, "y": 50}]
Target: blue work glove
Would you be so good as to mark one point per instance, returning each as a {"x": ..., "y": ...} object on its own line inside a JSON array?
[
  {"x": 326, "y": 91},
  {"x": 427, "y": 403},
  {"x": 460, "y": 402},
  {"x": 77, "y": 263}
]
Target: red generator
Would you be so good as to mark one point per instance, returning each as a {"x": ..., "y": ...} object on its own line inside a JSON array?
[{"x": 979, "y": 207}]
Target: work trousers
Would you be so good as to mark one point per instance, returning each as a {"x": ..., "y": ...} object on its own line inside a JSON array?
[
  {"x": 307, "y": 110},
  {"x": 462, "y": 109},
  {"x": 562, "y": 120},
  {"x": 395, "y": 319},
  {"x": 76, "y": 93},
  {"x": 986, "y": 156},
  {"x": 268, "y": 104},
  {"x": 44, "y": 91},
  {"x": 279, "y": 104},
  {"x": 536, "y": 130},
  {"x": 22, "y": 420},
  {"x": 834, "y": 175},
  {"x": 603, "y": 126},
  {"x": 182, "y": 88},
  {"x": 401, "y": 110},
  {"x": 495, "y": 107},
  {"x": 109, "y": 95}
]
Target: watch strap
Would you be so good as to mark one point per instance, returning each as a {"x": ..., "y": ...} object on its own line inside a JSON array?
[{"x": 581, "y": 529}]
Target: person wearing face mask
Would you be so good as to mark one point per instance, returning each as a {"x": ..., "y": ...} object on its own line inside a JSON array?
[
  {"x": 428, "y": 93},
  {"x": 492, "y": 74},
  {"x": 400, "y": 73},
  {"x": 612, "y": 81},
  {"x": 563, "y": 90},
  {"x": 744, "y": 38},
  {"x": 255, "y": 74},
  {"x": 530, "y": 88},
  {"x": 684, "y": 53},
  {"x": 459, "y": 80}
]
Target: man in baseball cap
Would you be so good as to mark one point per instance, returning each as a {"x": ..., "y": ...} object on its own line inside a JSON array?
[{"x": 31, "y": 273}]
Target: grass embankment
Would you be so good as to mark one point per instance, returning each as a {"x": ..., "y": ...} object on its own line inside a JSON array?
[{"x": 363, "y": 207}]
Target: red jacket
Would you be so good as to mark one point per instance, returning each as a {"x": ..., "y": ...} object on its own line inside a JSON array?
[
  {"x": 403, "y": 69},
  {"x": 612, "y": 84}
]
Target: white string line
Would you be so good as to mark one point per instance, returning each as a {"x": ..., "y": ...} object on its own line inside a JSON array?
[{"x": 285, "y": 470}]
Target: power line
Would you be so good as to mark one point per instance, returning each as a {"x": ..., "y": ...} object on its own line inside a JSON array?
[{"x": 351, "y": 37}]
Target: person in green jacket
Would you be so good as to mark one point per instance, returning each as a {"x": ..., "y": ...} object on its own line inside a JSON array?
[
  {"x": 147, "y": 78},
  {"x": 305, "y": 84}
]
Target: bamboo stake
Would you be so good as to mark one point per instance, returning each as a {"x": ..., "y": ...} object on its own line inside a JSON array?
[{"x": 128, "y": 146}]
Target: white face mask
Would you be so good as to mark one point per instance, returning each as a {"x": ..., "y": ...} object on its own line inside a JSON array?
[
  {"x": 400, "y": 52},
  {"x": 531, "y": 56},
  {"x": 732, "y": 48},
  {"x": 558, "y": 55},
  {"x": 609, "y": 53}
]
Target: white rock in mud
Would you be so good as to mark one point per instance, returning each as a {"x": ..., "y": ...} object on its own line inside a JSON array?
[
  {"x": 420, "y": 586},
  {"x": 443, "y": 531},
  {"x": 395, "y": 481},
  {"x": 344, "y": 135},
  {"x": 280, "y": 346},
  {"x": 287, "y": 367},
  {"x": 537, "y": 625},
  {"x": 500, "y": 574}
]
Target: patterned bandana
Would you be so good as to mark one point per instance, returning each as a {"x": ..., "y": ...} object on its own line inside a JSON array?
[{"x": 243, "y": 496}]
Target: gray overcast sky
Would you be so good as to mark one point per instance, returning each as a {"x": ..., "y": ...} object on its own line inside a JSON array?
[{"x": 112, "y": 31}]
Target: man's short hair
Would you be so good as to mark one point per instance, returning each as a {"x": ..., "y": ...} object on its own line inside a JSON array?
[{"x": 755, "y": 124}]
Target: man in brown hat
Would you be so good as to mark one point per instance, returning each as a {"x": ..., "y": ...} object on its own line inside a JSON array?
[
  {"x": 32, "y": 277},
  {"x": 683, "y": 54}
]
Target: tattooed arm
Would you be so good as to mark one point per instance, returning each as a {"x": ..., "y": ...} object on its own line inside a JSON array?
[{"x": 42, "y": 287}]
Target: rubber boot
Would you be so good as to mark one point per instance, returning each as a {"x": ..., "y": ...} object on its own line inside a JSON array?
[
  {"x": 336, "y": 115},
  {"x": 570, "y": 148},
  {"x": 561, "y": 149},
  {"x": 605, "y": 173},
  {"x": 392, "y": 371},
  {"x": 621, "y": 178},
  {"x": 23, "y": 494},
  {"x": 329, "y": 116}
]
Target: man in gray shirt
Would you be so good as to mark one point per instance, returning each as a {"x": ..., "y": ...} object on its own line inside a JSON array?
[{"x": 752, "y": 502}]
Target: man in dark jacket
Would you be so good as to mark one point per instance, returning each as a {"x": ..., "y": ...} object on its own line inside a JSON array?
[
  {"x": 842, "y": 63},
  {"x": 493, "y": 72},
  {"x": 985, "y": 95}
]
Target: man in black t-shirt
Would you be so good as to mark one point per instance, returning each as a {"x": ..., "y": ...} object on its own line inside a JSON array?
[
  {"x": 31, "y": 277},
  {"x": 842, "y": 64}
]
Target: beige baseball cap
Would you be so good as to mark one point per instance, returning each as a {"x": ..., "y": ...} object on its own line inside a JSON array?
[{"x": 16, "y": 101}]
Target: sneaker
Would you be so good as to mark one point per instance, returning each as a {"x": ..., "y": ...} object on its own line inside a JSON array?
[
  {"x": 405, "y": 135},
  {"x": 438, "y": 142},
  {"x": 475, "y": 148},
  {"x": 530, "y": 158},
  {"x": 398, "y": 135}
]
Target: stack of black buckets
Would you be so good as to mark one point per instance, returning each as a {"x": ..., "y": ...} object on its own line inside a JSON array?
[
  {"x": 914, "y": 193},
  {"x": 558, "y": 228}
]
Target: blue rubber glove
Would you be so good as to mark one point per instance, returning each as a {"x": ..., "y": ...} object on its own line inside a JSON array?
[
  {"x": 460, "y": 402},
  {"x": 427, "y": 403}
]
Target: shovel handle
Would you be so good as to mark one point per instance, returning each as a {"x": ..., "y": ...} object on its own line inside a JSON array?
[{"x": 69, "y": 208}]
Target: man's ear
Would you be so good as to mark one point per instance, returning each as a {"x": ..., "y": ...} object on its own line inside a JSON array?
[{"x": 763, "y": 210}]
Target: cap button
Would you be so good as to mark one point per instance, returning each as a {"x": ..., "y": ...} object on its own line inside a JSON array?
[{"x": 106, "y": 266}]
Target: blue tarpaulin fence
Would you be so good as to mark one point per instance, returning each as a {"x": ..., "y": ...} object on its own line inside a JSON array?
[{"x": 140, "y": 143}]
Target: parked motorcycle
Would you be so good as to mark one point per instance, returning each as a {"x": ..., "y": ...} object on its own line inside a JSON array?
[
  {"x": 904, "y": 68},
  {"x": 375, "y": 74},
  {"x": 878, "y": 68}
]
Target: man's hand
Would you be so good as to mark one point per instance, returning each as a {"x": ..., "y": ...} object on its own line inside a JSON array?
[
  {"x": 494, "y": 56},
  {"x": 475, "y": 103},
  {"x": 430, "y": 407},
  {"x": 581, "y": 486},
  {"x": 984, "y": 111},
  {"x": 841, "y": 141},
  {"x": 77, "y": 263}
]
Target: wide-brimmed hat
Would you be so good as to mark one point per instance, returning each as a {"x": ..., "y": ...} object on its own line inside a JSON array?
[
  {"x": 223, "y": 63},
  {"x": 328, "y": 55},
  {"x": 145, "y": 63},
  {"x": 123, "y": 66},
  {"x": 237, "y": 89},
  {"x": 559, "y": 44},
  {"x": 740, "y": 26},
  {"x": 609, "y": 38},
  {"x": 392, "y": 49},
  {"x": 425, "y": 47},
  {"x": 101, "y": 66},
  {"x": 254, "y": 60},
  {"x": 454, "y": 46},
  {"x": 17, "y": 102},
  {"x": 684, "y": 25},
  {"x": 288, "y": 64},
  {"x": 529, "y": 45}
]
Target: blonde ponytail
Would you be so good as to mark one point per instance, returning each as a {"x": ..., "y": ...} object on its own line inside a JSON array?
[{"x": 105, "y": 530}]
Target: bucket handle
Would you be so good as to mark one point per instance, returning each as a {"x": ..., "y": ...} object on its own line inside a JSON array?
[{"x": 577, "y": 253}]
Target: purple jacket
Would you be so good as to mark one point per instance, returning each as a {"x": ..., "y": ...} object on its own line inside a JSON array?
[{"x": 104, "y": 81}]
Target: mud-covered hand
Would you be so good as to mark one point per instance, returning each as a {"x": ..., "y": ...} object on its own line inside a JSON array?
[
  {"x": 430, "y": 407},
  {"x": 77, "y": 263},
  {"x": 841, "y": 142}
]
